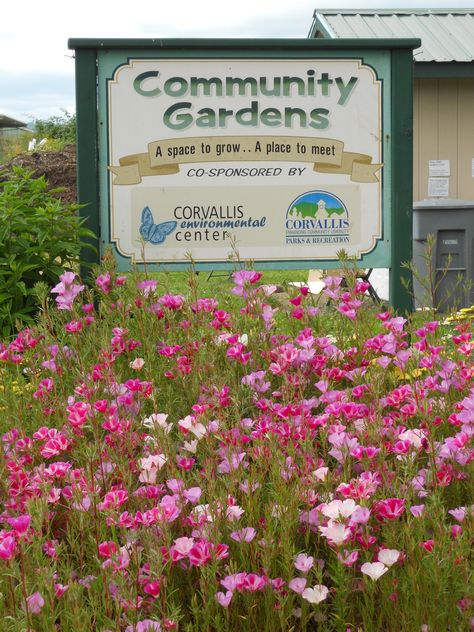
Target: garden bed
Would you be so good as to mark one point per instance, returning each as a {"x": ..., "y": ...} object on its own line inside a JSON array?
[{"x": 230, "y": 461}]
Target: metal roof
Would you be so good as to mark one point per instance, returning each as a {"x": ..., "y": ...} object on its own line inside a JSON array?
[
  {"x": 447, "y": 35},
  {"x": 7, "y": 122}
]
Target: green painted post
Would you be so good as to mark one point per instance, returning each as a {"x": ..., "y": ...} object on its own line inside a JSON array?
[
  {"x": 401, "y": 282},
  {"x": 87, "y": 151}
]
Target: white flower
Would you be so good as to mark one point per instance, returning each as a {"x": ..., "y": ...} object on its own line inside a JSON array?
[
  {"x": 374, "y": 570},
  {"x": 388, "y": 556},
  {"x": 338, "y": 508},
  {"x": 198, "y": 430},
  {"x": 190, "y": 446},
  {"x": 157, "y": 420},
  {"x": 335, "y": 532},
  {"x": 321, "y": 473},
  {"x": 415, "y": 437},
  {"x": 316, "y": 594}
]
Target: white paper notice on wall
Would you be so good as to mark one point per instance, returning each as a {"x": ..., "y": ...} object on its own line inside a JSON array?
[
  {"x": 438, "y": 187},
  {"x": 439, "y": 168},
  {"x": 472, "y": 167}
]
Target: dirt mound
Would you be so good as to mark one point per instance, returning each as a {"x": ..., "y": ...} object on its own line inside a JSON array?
[{"x": 58, "y": 167}]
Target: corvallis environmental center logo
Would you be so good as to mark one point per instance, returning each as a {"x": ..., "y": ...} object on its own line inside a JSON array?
[{"x": 317, "y": 217}]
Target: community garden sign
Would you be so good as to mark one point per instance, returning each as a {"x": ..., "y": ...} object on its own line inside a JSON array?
[{"x": 286, "y": 151}]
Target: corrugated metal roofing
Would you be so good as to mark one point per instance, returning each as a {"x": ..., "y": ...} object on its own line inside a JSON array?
[
  {"x": 7, "y": 122},
  {"x": 447, "y": 35}
]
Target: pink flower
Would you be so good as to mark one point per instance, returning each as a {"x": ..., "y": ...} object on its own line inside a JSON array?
[
  {"x": 193, "y": 494},
  {"x": 200, "y": 553},
  {"x": 298, "y": 584},
  {"x": 60, "y": 589},
  {"x": 103, "y": 282},
  {"x": 417, "y": 510},
  {"x": 66, "y": 290},
  {"x": 348, "y": 559},
  {"x": 147, "y": 625},
  {"x": 254, "y": 582},
  {"x": 35, "y": 603},
  {"x": 304, "y": 562},
  {"x": 224, "y": 599},
  {"x": 456, "y": 530},
  {"x": 316, "y": 594},
  {"x": 183, "y": 545},
  {"x": 246, "y": 534},
  {"x": 234, "y": 582},
  {"x": 374, "y": 570},
  {"x": 458, "y": 514}
]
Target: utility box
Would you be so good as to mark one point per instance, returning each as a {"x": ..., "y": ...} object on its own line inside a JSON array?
[{"x": 447, "y": 278}]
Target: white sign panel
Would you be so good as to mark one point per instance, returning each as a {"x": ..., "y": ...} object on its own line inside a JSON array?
[
  {"x": 438, "y": 187},
  {"x": 282, "y": 158},
  {"x": 439, "y": 168}
]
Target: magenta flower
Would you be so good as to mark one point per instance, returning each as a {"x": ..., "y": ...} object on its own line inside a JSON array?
[
  {"x": 20, "y": 525},
  {"x": 60, "y": 589},
  {"x": 7, "y": 547},
  {"x": 152, "y": 588},
  {"x": 390, "y": 508}
]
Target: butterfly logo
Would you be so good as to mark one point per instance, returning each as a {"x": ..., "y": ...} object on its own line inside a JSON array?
[{"x": 155, "y": 233}]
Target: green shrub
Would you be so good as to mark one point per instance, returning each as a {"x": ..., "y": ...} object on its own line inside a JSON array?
[
  {"x": 39, "y": 238},
  {"x": 57, "y": 128}
]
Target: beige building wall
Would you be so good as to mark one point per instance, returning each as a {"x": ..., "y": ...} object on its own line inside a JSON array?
[{"x": 443, "y": 129}]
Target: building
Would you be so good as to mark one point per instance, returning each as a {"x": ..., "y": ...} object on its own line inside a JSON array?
[
  {"x": 443, "y": 106},
  {"x": 11, "y": 130}
]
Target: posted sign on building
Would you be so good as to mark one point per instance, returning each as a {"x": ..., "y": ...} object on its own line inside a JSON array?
[
  {"x": 280, "y": 157},
  {"x": 282, "y": 150}
]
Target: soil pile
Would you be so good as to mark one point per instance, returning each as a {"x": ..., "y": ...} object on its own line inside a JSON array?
[{"x": 58, "y": 167}]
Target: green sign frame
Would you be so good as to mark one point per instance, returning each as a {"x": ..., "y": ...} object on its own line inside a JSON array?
[{"x": 97, "y": 62}]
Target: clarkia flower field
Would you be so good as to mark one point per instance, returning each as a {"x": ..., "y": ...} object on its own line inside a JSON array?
[{"x": 235, "y": 462}]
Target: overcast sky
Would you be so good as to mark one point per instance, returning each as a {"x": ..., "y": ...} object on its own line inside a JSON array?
[{"x": 37, "y": 69}]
